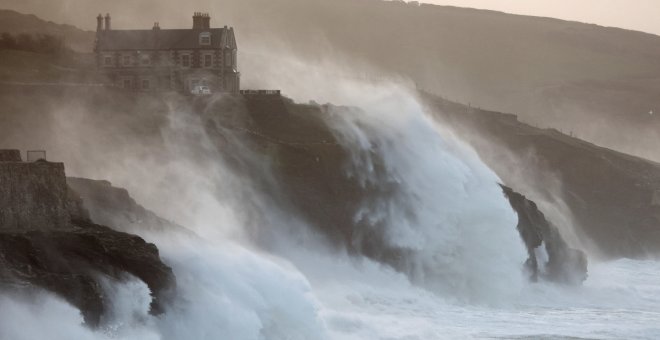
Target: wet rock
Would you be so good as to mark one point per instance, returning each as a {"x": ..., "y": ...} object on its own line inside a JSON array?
[
  {"x": 563, "y": 264},
  {"x": 71, "y": 264}
]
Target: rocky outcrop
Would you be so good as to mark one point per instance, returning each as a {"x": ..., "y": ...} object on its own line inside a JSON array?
[
  {"x": 48, "y": 241},
  {"x": 112, "y": 206},
  {"x": 308, "y": 164},
  {"x": 550, "y": 257},
  {"x": 72, "y": 262}
]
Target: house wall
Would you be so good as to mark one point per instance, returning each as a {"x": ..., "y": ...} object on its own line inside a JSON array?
[{"x": 166, "y": 70}]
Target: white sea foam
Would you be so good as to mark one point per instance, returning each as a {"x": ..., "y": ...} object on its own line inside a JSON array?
[
  {"x": 462, "y": 281},
  {"x": 447, "y": 208}
]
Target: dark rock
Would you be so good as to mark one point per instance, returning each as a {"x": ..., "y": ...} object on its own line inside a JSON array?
[
  {"x": 564, "y": 264},
  {"x": 48, "y": 241},
  {"x": 71, "y": 262},
  {"x": 308, "y": 165}
]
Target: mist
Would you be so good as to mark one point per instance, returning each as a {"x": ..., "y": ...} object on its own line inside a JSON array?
[
  {"x": 255, "y": 266},
  {"x": 466, "y": 255}
]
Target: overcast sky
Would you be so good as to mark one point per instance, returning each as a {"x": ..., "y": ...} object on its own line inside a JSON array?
[{"x": 640, "y": 15}]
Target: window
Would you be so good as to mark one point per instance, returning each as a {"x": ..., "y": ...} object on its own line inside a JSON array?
[
  {"x": 208, "y": 60},
  {"x": 145, "y": 84},
  {"x": 228, "y": 59},
  {"x": 127, "y": 60},
  {"x": 107, "y": 61},
  {"x": 205, "y": 38},
  {"x": 145, "y": 60},
  {"x": 185, "y": 60},
  {"x": 127, "y": 83}
]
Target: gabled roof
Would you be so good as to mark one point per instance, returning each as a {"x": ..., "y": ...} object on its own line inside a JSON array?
[{"x": 163, "y": 39}]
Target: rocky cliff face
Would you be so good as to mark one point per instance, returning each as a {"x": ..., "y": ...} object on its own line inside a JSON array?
[
  {"x": 549, "y": 255},
  {"x": 309, "y": 166},
  {"x": 48, "y": 241},
  {"x": 71, "y": 263}
]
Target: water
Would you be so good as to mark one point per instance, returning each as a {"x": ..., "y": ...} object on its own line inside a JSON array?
[
  {"x": 463, "y": 279},
  {"x": 607, "y": 307},
  {"x": 238, "y": 294}
]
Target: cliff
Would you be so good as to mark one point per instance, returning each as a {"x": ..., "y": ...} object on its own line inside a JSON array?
[
  {"x": 72, "y": 262},
  {"x": 307, "y": 161},
  {"x": 48, "y": 241},
  {"x": 611, "y": 196},
  {"x": 308, "y": 164}
]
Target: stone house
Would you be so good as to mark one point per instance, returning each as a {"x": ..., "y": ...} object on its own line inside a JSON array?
[{"x": 168, "y": 59}]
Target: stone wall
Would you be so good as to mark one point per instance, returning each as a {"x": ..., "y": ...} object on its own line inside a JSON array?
[
  {"x": 33, "y": 195},
  {"x": 10, "y": 156}
]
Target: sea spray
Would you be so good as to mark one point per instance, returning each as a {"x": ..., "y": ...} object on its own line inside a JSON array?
[
  {"x": 434, "y": 199},
  {"x": 446, "y": 208}
]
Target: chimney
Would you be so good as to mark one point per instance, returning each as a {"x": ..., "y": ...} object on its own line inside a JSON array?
[
  {"x": 201, "y": 21},
  {"x": 107, "y": 22},
  {"x": 206, "y": 21},
  {"x": 99, "y": 23},
  {"x": 156, "y": 30},
  {"x": 197, "y": 21}
]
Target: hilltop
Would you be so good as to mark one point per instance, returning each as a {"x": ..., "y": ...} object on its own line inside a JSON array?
[
  {"x": 601, "y": 83},
  {"x": 17, "y": 23}
]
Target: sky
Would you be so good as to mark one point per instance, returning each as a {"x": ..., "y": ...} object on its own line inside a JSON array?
[{"x": 639, "y": 15}]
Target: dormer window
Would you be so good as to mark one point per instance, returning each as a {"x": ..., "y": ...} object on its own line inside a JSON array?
[{"x": 205, "y": 38}]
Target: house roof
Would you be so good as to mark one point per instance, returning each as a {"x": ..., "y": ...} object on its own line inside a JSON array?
[{"x": 163, "y": 39}]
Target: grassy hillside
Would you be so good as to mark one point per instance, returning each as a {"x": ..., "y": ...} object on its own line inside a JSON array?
[
  {"x": 29, "y": 67},
  {"x": 601, "y": 83},
  {"x": 16, "y": 23}
]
